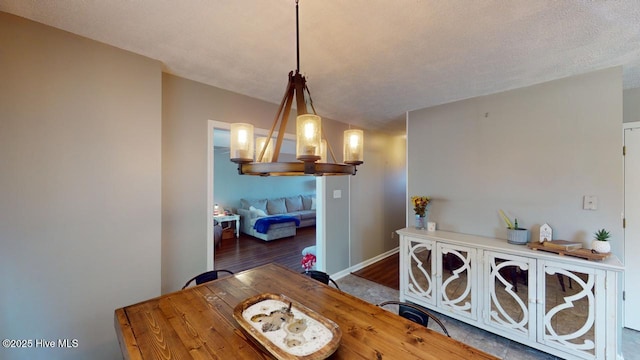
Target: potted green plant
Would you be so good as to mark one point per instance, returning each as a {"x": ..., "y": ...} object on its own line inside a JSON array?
[{"x": 600, "y": 242}]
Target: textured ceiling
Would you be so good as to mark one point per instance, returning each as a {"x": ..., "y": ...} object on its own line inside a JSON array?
[{"x": 366, "y": 61}]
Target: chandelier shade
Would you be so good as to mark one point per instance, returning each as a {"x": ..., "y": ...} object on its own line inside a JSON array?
[
  {"x": 264, "y": 149},
  {"x": 308, "y": 129},
  {"x": 241, "y": 143},
  {"x": 353, "y": 147}
]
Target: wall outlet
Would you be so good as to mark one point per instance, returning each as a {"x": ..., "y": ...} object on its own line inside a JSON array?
[{"x": 337, "y": 194}]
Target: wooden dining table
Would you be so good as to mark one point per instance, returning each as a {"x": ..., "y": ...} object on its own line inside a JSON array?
[{"x": 198, "y": 322}]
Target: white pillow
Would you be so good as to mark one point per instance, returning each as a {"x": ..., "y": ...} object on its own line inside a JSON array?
[
  {"x": 313, "y": 203},
  {"x": 256, "y": 212}
]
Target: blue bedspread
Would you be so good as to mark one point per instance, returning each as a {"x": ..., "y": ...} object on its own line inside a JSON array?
[{"x": 262, "y": 224}]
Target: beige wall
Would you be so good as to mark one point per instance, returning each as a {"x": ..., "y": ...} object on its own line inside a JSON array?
[
  {"x": 395, "y": 185},
  {"x": 378, "y": 196},
  {"x": 79, "y": 188},
  {"x": 532, "y": 152},
  {"x": 631, "y": 99},
  {"x": 334, "y": 221}
]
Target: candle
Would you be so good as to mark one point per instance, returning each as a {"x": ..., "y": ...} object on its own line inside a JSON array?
[
  {"x": 309, "y": 150},
  {"x": 242, "y": 154}
]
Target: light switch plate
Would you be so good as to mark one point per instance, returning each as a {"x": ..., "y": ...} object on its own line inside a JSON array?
[
  {"x": 590, "y": 202},
  {"x": 337, "y": 194}
]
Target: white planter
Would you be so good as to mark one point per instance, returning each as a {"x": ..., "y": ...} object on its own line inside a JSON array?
[{"x": 602, "y": 247}]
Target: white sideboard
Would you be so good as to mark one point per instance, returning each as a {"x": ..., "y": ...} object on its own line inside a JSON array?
[{"x": 562, "y": 305}]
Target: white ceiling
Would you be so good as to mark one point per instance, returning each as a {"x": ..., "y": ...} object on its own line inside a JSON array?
[{"x": 366, "y": 61}]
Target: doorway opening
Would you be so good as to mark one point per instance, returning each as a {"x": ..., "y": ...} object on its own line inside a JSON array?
[
  {"x": 632, "y": 228},
  {"x": 249, "y": 187}
]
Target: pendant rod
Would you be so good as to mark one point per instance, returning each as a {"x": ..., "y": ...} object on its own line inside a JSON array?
[{"x": 297, "y": 40}]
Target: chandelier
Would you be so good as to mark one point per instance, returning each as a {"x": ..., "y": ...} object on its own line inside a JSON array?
[{"x": 311, "y": 148}]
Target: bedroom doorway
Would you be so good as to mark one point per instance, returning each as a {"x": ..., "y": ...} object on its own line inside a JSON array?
[{"x": 217, "y": 150}]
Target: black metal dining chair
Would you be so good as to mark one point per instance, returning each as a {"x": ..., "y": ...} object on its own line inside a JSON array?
[
  {"x": 323, "y": 277},
  {"x": 206, "y": 277},
  {"x": 416, "y": 314}
]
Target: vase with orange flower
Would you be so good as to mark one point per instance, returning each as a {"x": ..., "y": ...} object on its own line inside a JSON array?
[{"x": 420, "y": 207}]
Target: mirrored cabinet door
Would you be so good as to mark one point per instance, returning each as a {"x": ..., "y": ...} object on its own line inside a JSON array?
[
  {"x": 574, "y": 308},
  {"x": 420, "y": 268},
  {"x": 509, "y": 296},
  {"x": 457, "y": 273}
]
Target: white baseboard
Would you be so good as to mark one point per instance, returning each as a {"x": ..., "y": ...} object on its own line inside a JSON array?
[{"x": 362, "y": 265}]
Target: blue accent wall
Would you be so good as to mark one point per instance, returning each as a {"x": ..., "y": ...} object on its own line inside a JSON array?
[{"x": 229, "y": 187}]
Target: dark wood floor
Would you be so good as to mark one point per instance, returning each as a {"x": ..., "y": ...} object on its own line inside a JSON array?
[
  {"x": 384, "y": 272},
  {"x": 247, "y": 252}
]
